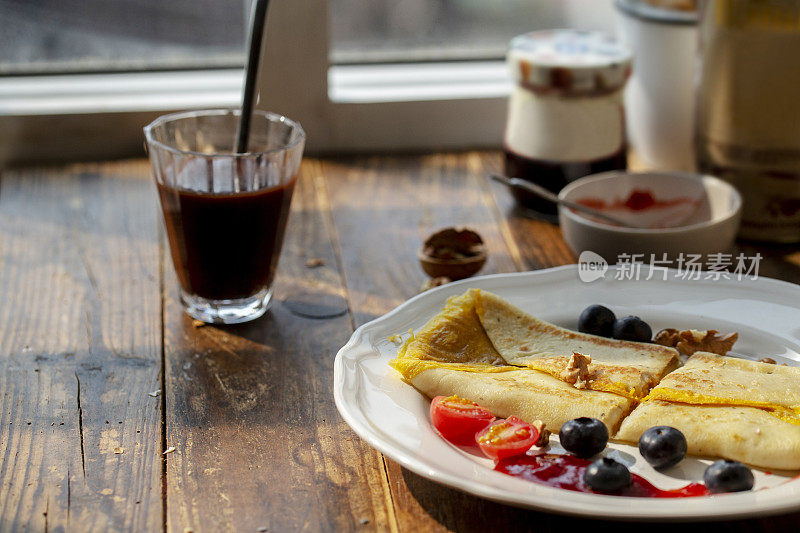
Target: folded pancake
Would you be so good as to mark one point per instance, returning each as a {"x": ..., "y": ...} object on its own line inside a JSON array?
[
  {"x": 710, "y": 379},
  {"x": 621, "y": 367},
  {"x": 452, "y": 354},
  {"x": 746, "y": 434},
  {"x": 455, "y": 335},
  {"x": 522, "y": 392},
  {"x": 727, "y": 407}
]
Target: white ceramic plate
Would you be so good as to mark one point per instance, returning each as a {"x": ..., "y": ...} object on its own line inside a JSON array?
[{"x": 393, "y": 417}]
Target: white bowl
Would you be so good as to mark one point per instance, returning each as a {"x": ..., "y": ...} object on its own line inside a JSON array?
[{"x": 708, "y": 226}]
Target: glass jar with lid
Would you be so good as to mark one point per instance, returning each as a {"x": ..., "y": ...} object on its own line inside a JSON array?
[
  {"x": 565, "y": 113},
  {"x": 748, "y": 110}
]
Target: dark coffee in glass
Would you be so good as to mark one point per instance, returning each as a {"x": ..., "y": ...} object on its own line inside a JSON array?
[{"x": 225, "y": 214}]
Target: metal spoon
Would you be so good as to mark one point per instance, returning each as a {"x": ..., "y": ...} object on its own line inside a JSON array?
[{"x": 541, "y": 192}]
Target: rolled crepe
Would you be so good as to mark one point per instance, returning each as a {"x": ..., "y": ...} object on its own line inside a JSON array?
[
  {"x": 744, "y": 434},
  {"x": 452, "y": 354},
  {"x": 727, "y": 407},
  {"x": 455, "y": 335},
  {"x": 524, "y": 393},
  {"x": 622, "y": 367},
  {"x": 710, "y": 379}
]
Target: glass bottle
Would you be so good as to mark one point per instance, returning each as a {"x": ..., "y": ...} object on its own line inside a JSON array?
[{"x": 748, "y": 114}]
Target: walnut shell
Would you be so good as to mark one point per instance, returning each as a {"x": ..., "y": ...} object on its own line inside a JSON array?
[{"x": 452, "y": 253}]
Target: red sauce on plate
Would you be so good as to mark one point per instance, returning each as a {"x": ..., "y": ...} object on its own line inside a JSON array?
[
  {"x": 638, "y": 200},
  {"x": 566, "y": 472}
]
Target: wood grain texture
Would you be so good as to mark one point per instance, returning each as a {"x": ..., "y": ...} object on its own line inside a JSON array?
[
  {"x": 258, "y": 442},
  {"x": 80, "y": 338},
  {"x": 384, "y": 208},
  {"x": 90, "y": 314},
  {"x": 540, "y": 243}
]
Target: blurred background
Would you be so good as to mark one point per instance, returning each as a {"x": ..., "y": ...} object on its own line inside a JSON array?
[
  {"x": 79, "y": 78},
  {"x": 72, "y": 36}
]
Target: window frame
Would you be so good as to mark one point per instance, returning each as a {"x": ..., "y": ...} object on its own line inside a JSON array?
[
  {"x": 412, "y": 107},
  {"x": 459, "y": 110}
]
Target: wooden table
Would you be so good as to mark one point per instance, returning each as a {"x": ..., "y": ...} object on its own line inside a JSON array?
[{"x": 118, "y": 413}]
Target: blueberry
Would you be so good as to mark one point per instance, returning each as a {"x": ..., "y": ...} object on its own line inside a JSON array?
[
  {"x": 597, "y": 320},
  {"x": 632, "y": 328},
  {"x": 607, "y": 475},
  {"x": 728, "y": 476},
  {"x": 583, "y": 436},
  {"x": 662, "y": 446}
]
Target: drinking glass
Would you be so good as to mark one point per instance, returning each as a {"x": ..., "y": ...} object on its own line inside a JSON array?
[{"x": 225, "y": 213}]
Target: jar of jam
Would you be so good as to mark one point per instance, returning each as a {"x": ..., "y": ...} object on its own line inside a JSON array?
[{"x": 565, "y": 114}]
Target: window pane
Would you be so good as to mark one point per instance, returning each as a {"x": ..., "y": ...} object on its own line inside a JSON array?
[
  {"x": 53, "y": 36},
  {"x": 436, "y": 30}
]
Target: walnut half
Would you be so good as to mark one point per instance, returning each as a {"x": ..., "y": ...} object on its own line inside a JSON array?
[
  {"x": 576, "y": 372},
  {"x": 691, "y": 340}
]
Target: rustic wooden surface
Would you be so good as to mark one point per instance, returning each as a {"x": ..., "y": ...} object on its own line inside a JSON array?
[
  {"x": 80, "y": 349},
  {"x": 101, "y": 372}
]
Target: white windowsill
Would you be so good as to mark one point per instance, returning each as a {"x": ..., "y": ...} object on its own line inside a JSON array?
[
  {"x": 119, "y": 92},
  {"x": 418, "y": 82},
  {"x": 157, "y": 91},
  {"x": 442, "y": 105}
]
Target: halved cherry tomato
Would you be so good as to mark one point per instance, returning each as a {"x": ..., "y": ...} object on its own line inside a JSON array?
[
  {"x": 458, "y": 419},
  {"x": 507, "y": 438}
]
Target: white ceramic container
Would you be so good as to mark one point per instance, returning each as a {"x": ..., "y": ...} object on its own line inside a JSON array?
[{"x": 709, "y": 227}]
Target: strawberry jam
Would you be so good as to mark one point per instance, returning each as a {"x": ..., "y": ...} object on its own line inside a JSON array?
[
  {"x": 566, "y": 472},
  {"x": 637, "y": 200}
]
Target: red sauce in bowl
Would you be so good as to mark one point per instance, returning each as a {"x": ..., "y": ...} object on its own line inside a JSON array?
[
  {"x": 566, "y": 472},
  {"x": 637, "y": 200}
]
